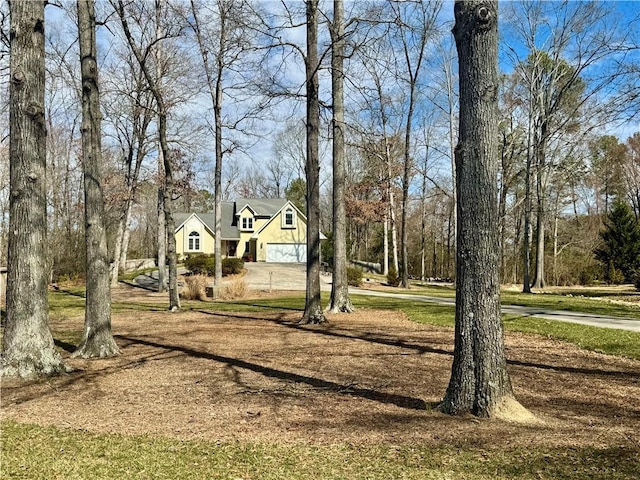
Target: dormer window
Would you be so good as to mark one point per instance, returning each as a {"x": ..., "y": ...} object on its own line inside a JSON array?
[
  {"x": 194, "y": 241},
  {"x": 247, "y": 223},
  {"x": 289, "y": 218}
]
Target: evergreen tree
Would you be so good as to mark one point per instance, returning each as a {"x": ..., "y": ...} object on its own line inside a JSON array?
[{"x": 621, "y": 237}]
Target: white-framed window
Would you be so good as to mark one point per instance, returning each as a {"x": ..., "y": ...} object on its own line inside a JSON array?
[
  {"x": 289, "y": 218},
  {"x": 194, "y": 241},
  {"x": 247, "y": 223}
]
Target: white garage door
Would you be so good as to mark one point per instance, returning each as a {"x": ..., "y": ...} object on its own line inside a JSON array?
[{"x": 286, "y": 252}]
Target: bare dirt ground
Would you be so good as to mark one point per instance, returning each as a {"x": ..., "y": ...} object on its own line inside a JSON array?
[{"x": 368, "y": 377}]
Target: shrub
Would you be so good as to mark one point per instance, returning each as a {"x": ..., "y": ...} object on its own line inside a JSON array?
[
  {"x": 354, "y": 276},
  {"x": 232, "y": 266},
  {"x": 200, "y": 264},
  {"x": 195, "y": 288},
  {"x": 636, "y": 279},
  {"x": 392, "y": 277},
  {"x": 232, "y": 290},
  {"x": 613, "y": 275}
]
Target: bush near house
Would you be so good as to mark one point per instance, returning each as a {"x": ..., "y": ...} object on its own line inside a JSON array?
[
  {"x": 203, "y": 264},
  {"x": 232, "y": 266},
  {"x": 200, "y": 264}
]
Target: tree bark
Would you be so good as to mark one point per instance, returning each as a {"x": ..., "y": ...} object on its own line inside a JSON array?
[
  {"x": 97, "y": 340},
  {"x": 340, "y": 301},
  {"x": 313, "y": 308},
  {"x": 28, "y": 347},
  {"x": 479, "y": 381}
]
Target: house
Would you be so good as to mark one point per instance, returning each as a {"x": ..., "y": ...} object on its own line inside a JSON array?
[{"x": 262, "y": 230}]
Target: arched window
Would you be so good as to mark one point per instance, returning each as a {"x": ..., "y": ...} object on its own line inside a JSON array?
[
  {"x": 194, "y": 241},
  {"x": 289, "y": 218}
]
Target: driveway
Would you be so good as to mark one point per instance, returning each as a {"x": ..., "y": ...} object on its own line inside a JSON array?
[{"x": 280, "y": 276}]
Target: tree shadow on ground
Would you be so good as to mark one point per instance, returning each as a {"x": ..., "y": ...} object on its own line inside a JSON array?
[
  {"x": 383, "y": 397},
  {"x": 400, "y": 343}
]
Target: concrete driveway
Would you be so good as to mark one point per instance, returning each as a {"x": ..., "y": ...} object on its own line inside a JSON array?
[{"x": 280, "y": 276}]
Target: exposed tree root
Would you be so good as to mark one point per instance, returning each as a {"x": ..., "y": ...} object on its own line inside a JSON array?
[{"x": 97, "y": 350}]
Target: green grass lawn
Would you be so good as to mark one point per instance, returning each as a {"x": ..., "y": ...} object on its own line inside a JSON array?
[{"x": 34, "y": 452}]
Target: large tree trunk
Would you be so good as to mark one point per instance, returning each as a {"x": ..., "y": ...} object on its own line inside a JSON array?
[
  {"x": 340, "y": 301},
  {"x": 479, "y": 381},
  {"x": 313, "y": 308},
  {"x": 97, "y": 340},
  {"x": 28, "y": 347}
]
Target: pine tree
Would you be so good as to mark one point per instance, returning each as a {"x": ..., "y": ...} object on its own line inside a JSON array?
[{"x": 621, "y": 247}]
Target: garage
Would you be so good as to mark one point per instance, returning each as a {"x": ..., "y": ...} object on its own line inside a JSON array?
[{"x": 286, "y": 252}]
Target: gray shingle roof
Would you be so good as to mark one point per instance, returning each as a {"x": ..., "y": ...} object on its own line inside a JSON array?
[
  {"x": 229, "y": 231},
  {"x": 262, "y": 207}
]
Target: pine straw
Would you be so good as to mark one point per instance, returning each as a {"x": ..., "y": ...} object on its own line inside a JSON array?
[{"x": 367, "y": 378}]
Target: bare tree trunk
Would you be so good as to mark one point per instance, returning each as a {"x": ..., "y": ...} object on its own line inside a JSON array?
[
  {"x": 313, "y": 308},
  {"x": 479, "y": 381},
  {"x": 385, "y": 243},
  {"x": 97, "y": 340},
  {"x": 162, "y": 226},
  {"x": 394, "y": 231},
  {"x": 168, "y": 190},
  {"x": 28, "y": 347},
  {"x": 526, "y": 238},
  {"x": 539, "y": 281},
  {"x": 340, "y": 301},
  {"x": 126, "y": 236}
]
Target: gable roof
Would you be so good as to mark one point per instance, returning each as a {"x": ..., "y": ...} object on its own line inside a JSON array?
[
  {"x": 286, "y": 203},
  {"x": 229, "y": 231},
  {"x": 261, "y": 207}
]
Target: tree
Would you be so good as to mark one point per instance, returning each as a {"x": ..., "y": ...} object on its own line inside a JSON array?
[
  {"x": 479, "y": 381},
  {"x": 632, "y": 172},
  {"x": 164, "y": 154},
  {"x": 313, "y": 308},
  {"x": 129, "y": 110},
  {"x": 621, "y": 238},
  {"x": 296, "y": 191},
  {"x": 97, "y": 340},
  {"x": 28, "y": 347},
  {"x": 340, "y": 301},
  {"x": 573, "y": 81},
  {"x": 223, "y": 41},
  {"x": 608, "y": 157},
  {"x": 414, "y": 39}
]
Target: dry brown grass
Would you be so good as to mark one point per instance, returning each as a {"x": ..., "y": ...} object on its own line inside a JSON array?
[
  {"x": 235, "y": 289},
  {"x": 195, "y": 287}
]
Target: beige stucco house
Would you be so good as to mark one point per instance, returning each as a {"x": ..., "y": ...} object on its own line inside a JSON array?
[{"x": 262, "y": 230}]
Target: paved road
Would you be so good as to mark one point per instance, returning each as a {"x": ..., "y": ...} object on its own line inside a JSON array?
[
  {"x": 292, "y": 276},
  {"x": 561, "y": 315}
]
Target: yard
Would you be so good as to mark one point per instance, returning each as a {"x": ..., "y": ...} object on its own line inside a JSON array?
[{"x": 252, "y": 395}]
